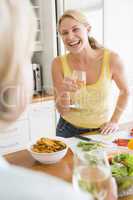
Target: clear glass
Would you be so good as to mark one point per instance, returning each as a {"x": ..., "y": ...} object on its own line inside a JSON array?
[
  {"x": 80, "y": 79},
  {"x": 92, "y": 174}
]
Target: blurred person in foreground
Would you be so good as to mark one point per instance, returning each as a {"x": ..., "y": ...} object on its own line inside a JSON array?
[
  {"x": 17, "y": 34},
  {"x": 20, "y": 184}
]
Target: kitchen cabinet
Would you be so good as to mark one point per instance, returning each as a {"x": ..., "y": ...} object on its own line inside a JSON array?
[
  {"x": 46, "y": 45},
  {"x": 37, "y": 121},
  {"x": 42, "y": 120},
  {"x": 16, "y": 136}
]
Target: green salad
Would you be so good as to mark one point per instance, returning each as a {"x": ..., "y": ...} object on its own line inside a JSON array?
[{"x": 122, "y": 170}]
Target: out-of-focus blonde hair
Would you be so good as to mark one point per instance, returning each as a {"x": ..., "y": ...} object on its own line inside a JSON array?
[
  {"x": 81, "y": 18},
  {"x": 17, "y": 35}
]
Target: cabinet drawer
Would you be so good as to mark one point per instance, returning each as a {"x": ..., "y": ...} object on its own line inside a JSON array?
[
  {"x": 45, "y": 104},
  {"x": 40, "y": 109},
  {"x": 14, "y": 138}
]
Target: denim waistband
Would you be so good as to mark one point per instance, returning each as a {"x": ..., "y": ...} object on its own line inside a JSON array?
[
  {"x": 66, "y": 129},
  {"x": 80, "y": 128}
]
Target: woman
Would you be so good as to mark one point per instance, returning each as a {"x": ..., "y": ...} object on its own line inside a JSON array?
[
  {"x": 17, "y": 34},
  {"x": 101, "y": 66}
]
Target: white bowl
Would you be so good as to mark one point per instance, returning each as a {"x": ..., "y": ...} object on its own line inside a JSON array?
[{"x": 48, "y": 158}]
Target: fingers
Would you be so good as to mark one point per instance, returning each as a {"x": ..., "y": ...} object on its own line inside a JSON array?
[
  {"x": 63, "y": 109},
  {"x": 69, "y": 85},
  {"x": 109, "y": 128}
]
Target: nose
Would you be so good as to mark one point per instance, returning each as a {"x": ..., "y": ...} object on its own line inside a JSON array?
[{"x": 70, "y": 35}]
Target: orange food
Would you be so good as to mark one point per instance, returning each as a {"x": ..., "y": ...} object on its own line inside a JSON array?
[
  {"x": 46, "y": 145},
  {"x": 130, "y": 144},
  {"x": 121, "y": 142}
]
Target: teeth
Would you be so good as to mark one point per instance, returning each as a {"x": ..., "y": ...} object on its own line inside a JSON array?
[{"x": 73, "y": 43}]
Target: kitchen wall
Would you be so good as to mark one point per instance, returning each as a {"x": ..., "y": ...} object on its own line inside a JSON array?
[{"x": 118, "y": 36}]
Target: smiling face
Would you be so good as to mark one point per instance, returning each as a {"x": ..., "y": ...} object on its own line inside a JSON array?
[{"x": 74, "y": 35}]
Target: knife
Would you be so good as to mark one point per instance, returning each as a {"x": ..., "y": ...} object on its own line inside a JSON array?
[{"x": 86, "y": 138}]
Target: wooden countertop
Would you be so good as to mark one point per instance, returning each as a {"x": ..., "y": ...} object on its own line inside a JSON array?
[
  {"x": 42, "y": 97},
  {"x": 62, "y": 169}
]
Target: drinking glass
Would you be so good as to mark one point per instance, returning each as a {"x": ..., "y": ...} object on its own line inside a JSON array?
[
  {"x": 92, "y": 174},
  {"x": 80, "y": 79}
]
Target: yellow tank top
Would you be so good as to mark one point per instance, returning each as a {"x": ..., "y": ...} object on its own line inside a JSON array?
[{"x": 93, "y": 98}]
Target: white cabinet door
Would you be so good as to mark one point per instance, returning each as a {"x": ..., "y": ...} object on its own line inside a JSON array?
[
  {"x": 14, "y": 138},
  {"x": 42, "y": 120}
]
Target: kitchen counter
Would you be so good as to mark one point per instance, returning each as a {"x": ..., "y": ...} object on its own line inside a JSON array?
[
  {"x": 62, "y": 169},
  {"x": 42, "y": 97}
]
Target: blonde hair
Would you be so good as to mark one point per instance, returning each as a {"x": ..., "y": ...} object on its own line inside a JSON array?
[
  {"x": 17, "y": 35},
  {"x": 81, "y": 18}
]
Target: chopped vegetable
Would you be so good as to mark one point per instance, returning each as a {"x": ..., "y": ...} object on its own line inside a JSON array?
[
  {"x": 122, "y": 170},
  {"x": 124, "y": 158},
  {"x": 121, "y": 142},
  {"x": 130, "y": 144},
  {"x": 119, "y": 170},
  {"x": 88, "y": 146}
]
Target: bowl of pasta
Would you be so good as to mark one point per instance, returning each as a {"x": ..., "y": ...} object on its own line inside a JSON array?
[{"x": 48, "y": 150}]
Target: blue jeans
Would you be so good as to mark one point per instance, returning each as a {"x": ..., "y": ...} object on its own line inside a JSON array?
[{"x": 65, "y": 129}]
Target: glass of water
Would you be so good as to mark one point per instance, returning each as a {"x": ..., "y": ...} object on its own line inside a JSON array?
[
  {"x": 92, "y": 174},
  {"x": 79, "y": 77}
]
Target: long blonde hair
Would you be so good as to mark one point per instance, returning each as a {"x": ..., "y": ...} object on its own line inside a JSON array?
[
  {"x": 81, "y": 18},
  {"x": 17, "y": 35}
]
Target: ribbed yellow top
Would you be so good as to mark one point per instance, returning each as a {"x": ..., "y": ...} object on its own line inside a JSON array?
[{"x": 94, "y": 98}]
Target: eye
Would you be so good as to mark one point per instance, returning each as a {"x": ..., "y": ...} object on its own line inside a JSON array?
[
  {"x": 64, "y": 33},
  {"x": 76, "y": 29}
]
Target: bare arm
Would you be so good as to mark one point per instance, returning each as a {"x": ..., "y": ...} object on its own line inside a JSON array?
[
  {"x": 118, "y": 75},
  {"x": 57, "y": 76}
]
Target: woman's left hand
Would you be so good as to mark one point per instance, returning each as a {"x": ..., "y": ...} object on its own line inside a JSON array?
[{"x": 109, "y": 127}]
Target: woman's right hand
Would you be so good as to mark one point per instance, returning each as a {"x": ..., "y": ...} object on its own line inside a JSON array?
[
  {"x": 63, "y": 100},
  {"x": 69, "y": 85}
]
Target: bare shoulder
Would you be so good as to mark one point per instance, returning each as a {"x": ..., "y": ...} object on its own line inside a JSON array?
[
  {"x": 56, "y": 62},
  {"x": 56, "y": 65},
  {"x": 116, "y": 63}
]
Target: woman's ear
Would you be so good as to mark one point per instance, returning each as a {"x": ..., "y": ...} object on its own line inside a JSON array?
[{"x": 88, "y": 26}]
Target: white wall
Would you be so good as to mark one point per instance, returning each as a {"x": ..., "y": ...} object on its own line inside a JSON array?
[
  {"x": 84, "y": 4},
  {"x": 118, "y": 36},
  {"x": 95, "y": 18}
]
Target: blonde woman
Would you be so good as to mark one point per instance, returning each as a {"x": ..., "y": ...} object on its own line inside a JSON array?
[
  {"x": 101, "y": 66},
  {"x": 17, "y": 34}
]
